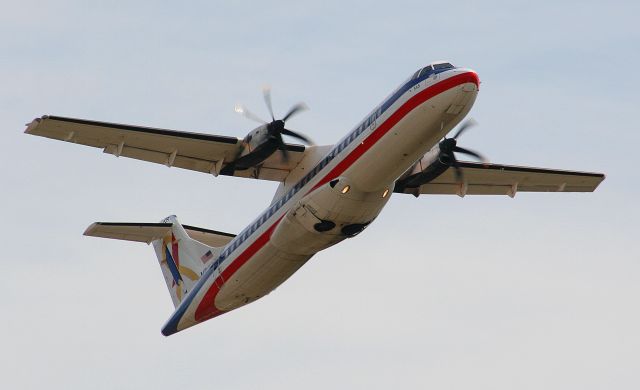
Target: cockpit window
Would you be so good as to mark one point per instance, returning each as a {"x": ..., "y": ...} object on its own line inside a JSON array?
[
  {"x": 444, "y": 65},
  {"x": 431, "y": 69},
  {"x": 426, "y": 70}
]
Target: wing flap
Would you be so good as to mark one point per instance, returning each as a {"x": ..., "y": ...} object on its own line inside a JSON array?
[
  {"x": 172, "y": 159},
  {"x": 496, "y": 179},
  {"x": 193, "y": 151},
  {"x": 474, "y": 189}
]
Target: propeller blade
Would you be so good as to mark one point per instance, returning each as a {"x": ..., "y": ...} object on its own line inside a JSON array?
[
  {"x": 456, "y": 168},
  {"x": 294, "y": 110},
  {"x": 299, "y": 136},
  {"x": 228, "y": 169},
  {"x": 471, "y": 153},
  {"x": 285, "y": 155},
  {"x": 469, "y": 123},
  {"x": 248, "y": 114},
  {"x": 283, "y": 148},
  {"x": 266, "y": 91}
]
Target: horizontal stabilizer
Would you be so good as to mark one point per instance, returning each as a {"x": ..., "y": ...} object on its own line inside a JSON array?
[
  {"x": 147, "y": 232},
  {"x": 183, "y": 251}
]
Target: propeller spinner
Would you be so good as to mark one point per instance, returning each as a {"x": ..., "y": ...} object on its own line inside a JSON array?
[
  {"x": 276, "y": 128},
  {"x": 449, "y": 146},
  {"x": 262, "y": 142}
]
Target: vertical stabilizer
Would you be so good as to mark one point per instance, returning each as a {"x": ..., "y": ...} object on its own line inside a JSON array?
[{"x": 182, "y": 259}]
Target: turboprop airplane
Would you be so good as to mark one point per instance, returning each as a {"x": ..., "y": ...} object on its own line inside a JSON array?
[{"x": 326, "y": 193}]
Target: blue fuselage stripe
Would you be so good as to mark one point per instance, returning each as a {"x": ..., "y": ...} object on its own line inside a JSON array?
[
  {"x": 172, "y": 325},
  {"x": 345, "y": 142}
]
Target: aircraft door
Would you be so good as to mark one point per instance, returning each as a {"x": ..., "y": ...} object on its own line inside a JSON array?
[{"x": 218, "y": 279}]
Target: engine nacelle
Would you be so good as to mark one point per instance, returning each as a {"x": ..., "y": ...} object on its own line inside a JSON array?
[
  {"x": 257, "y": 146},
  {"x": 430, "y": 166},
  {"x": 256, "y": 138},
  {"x": 440, "y": 158}
]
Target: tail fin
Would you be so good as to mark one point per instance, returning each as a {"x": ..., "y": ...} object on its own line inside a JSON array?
[{"x": 182, "y": 259}]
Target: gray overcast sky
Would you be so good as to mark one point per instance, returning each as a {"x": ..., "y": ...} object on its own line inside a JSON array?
[{"x": 540, "y": 291}]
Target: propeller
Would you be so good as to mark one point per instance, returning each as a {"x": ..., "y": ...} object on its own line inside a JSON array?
[
  {"x": 248, "y": 114},
  {"x": 449, "y": 146},
  {"x": 276, "y": 128}
]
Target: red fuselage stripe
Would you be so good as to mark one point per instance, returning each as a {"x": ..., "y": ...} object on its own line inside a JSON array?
[{"x": 206, "y": 308}]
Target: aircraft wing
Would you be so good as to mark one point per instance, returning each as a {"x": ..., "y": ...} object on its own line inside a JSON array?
[
  {"x": 194, "y": 151},
  {"x": 495, "y": 179}
]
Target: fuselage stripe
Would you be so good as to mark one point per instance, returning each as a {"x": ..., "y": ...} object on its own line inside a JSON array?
[
  {"x": 206, "y": 307},
  {"x": 393, "y": 119}
]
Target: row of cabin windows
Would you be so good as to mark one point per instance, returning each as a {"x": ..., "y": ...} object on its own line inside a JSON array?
[{"x": 276, "y": 206}]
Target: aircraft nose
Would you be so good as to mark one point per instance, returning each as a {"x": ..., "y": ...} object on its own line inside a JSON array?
[
  {"x": 473, "y": 75},
  {"x": 471, "y": 80},
  {"x": 468, "y": 83}
]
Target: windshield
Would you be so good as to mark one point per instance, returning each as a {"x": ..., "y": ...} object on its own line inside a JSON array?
[
  {"x": 444, "y": 65},
  {"x": 435, "y": 68}
]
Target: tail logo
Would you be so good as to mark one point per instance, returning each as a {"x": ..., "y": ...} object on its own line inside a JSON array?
[{"x": 171, "y": 258}]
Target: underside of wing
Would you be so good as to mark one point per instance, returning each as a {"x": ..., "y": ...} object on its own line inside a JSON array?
[
  {"x": 194, "y": 151},
  {"x": 495, "y": 179}
]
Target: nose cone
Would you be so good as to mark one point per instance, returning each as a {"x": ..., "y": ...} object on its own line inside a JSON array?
[
  {"x": 476, "y": 79},
  {"x": 462, "y": 86},
  {"x": 471, "y": 77}
]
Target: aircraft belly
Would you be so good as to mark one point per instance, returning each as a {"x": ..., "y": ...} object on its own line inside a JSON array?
[
  {"x": 327, "y": 216},
  {"x": 295, "y": 240},
  {"x": 411, "y": 138},
  {"x": 265, "y": 271}
]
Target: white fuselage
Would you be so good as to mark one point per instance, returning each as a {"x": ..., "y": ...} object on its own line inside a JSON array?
[{"x": 331, "y": 195}]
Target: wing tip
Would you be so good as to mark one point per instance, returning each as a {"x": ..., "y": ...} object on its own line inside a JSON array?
[
  {"x": 31, "y": 126},
  {"x": 602, "y": 177},
  {"x": 90, "y": 230}
]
